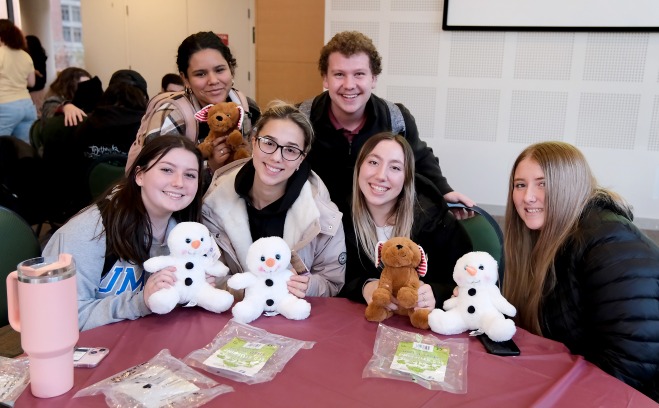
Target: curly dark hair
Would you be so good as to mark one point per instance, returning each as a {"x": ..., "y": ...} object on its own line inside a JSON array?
[
  {"x": 201, "y": 41},
  {"x": 350, "y": 43}
]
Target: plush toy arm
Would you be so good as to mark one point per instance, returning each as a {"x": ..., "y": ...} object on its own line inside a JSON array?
[
  {"x": 501, "y": 303},
  {"x": 217, "y": 269},
  {"x": 241, "y": 280},
  {"x": 159, "y": 262},
  {"x": 450, "y": 303}
]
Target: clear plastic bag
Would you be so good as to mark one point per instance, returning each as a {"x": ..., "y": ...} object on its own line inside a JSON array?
[
  {"x": 426, "y": 360},
  {"x": 163, "y": 381},
  {"x": 246, "y": 354},
  {"x": 14, "y": 377}
]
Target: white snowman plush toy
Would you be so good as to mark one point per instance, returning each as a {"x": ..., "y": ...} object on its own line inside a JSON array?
[
  {"x": 265, "y": 283},
  {"x": 479, "y": 304},
  {"x": 194, "y": 253}
]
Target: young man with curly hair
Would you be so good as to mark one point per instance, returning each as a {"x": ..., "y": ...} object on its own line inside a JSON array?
[{"x": 348, "y": 114}]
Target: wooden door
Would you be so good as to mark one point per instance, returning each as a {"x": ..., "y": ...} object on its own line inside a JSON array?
[{"x": 289, "y": 35}]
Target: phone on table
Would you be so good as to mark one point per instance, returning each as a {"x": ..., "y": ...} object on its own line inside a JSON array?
[
  {"x": 89, "y": 357},
  {"x": 499, "y": 348}
]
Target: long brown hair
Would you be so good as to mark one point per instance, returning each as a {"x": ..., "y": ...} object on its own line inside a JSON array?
[
  {"x": 529, "y": 254},
  {"x": 403, "y": 210},
  {"x": 127, "y": 225},
  {"x": 66, "y": 83}
]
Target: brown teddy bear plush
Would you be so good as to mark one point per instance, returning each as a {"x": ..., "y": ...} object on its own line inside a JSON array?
[
  {"x": 224, "y": 119},
  {"x": 399, "y": 279}
]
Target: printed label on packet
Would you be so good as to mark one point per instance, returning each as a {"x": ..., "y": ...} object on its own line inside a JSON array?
[
  {"x": 240, "y": 356},
  {"x": 156, "y": 387},
  {"x": 423, "y": 360}
]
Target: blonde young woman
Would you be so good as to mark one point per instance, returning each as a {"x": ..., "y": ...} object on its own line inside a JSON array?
[
  {"x": 577, "y": 269},
  {"x": 388, "y": 200},
  {"x": 275, "y": 193}
]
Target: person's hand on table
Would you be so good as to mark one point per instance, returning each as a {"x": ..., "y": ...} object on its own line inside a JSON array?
[
  {"x": 426, "y": 298},
  {"x": 72, "y": 114},
  {"x": 368, "y": 290},
  {"x": 162, "y": 279},
  {"x": 220, "y": 154},
  {"x": 456, "y": 197},
  {"x": 298, "y": 285}
]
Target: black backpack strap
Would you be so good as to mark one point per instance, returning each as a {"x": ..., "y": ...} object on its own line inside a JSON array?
[
  {"x": 110, "y": 260},
  {"x": 110, "y": 257}
]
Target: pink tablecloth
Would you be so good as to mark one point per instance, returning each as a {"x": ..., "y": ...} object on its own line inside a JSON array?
[{"x": 330, "y": 374}]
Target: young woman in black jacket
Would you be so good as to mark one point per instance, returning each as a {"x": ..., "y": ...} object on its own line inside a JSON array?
[{"x": 577, "y": 269}]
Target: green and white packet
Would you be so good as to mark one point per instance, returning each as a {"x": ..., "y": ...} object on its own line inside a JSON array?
[
  {"x": 426, "y": 360},
  {"x": 246, "y": 354},
  {"x": 163, "y": 381},
  {"x": 242, "y": 356}
]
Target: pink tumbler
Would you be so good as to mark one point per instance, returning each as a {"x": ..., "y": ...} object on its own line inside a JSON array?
[{"x": 43, "y": 307}]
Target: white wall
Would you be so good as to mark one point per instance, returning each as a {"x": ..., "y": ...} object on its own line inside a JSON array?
[
  {"x": 144, "y": 35},
  {"x": 479, "y": 98}
]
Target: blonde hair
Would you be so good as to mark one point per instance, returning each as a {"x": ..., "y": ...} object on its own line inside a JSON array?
[
  {"x": 530, "y": 254},
  {"x": 363, "y": 222}
]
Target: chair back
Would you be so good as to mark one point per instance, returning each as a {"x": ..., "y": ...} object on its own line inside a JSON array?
[
  {"x": 18, "y": 243},
  {"x": 104, "y": 172},
  {"x": 485, "y": 234}
]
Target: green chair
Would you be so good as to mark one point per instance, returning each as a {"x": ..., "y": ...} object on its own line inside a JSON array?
[
  {"x": 18, "y": 243},
  {"x": 485, "y": 234},
  {"x": 104, "y": 172}
]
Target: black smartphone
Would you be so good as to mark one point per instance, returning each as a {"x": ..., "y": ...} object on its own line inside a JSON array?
[{"x": 499, "y": 348}]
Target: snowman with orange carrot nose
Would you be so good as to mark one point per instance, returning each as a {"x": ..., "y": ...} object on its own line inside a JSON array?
[{"x": 265, "y": 283}]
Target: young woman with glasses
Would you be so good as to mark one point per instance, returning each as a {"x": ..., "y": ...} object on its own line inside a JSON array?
[{"x": 275, "y": 193}]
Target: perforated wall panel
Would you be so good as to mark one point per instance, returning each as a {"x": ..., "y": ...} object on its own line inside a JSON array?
[
  {"x": 544, "y": 56},
  {"x": 421, "y": 101},
  {"x": 653, "y": 142},
  {"x": 616, "y": 57},
  {"x": 413, "y": 49},
  {"x": 416, "y": 5},
  {"x": 472, "y": 114},
  {"x": 608, "y": 120},
  {"x": 537, "y": 116},
  {"x": 476, "y": 54},
  {"x": 508, "y": 89},
  {"x": 351, "y": 5}
]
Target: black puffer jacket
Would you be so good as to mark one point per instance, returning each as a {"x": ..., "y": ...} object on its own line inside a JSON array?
[{"x": 605, "y": 304}]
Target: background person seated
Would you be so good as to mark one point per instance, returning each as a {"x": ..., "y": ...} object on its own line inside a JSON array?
[{"x": 172, "y": 83}]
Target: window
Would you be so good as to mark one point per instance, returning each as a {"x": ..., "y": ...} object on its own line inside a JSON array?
[
  {"x": 77, "y": 34},
  {"x": 66, "y": 32},
  {"x": 75, "y": 13},
  {"x": 65, "y": 13}
]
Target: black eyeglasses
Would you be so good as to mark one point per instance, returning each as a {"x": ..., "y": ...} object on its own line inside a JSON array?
[{"x": 269, "y": 146}]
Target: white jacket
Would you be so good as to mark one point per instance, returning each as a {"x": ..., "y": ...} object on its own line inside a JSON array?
[{"x": 312, "y": 228}]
